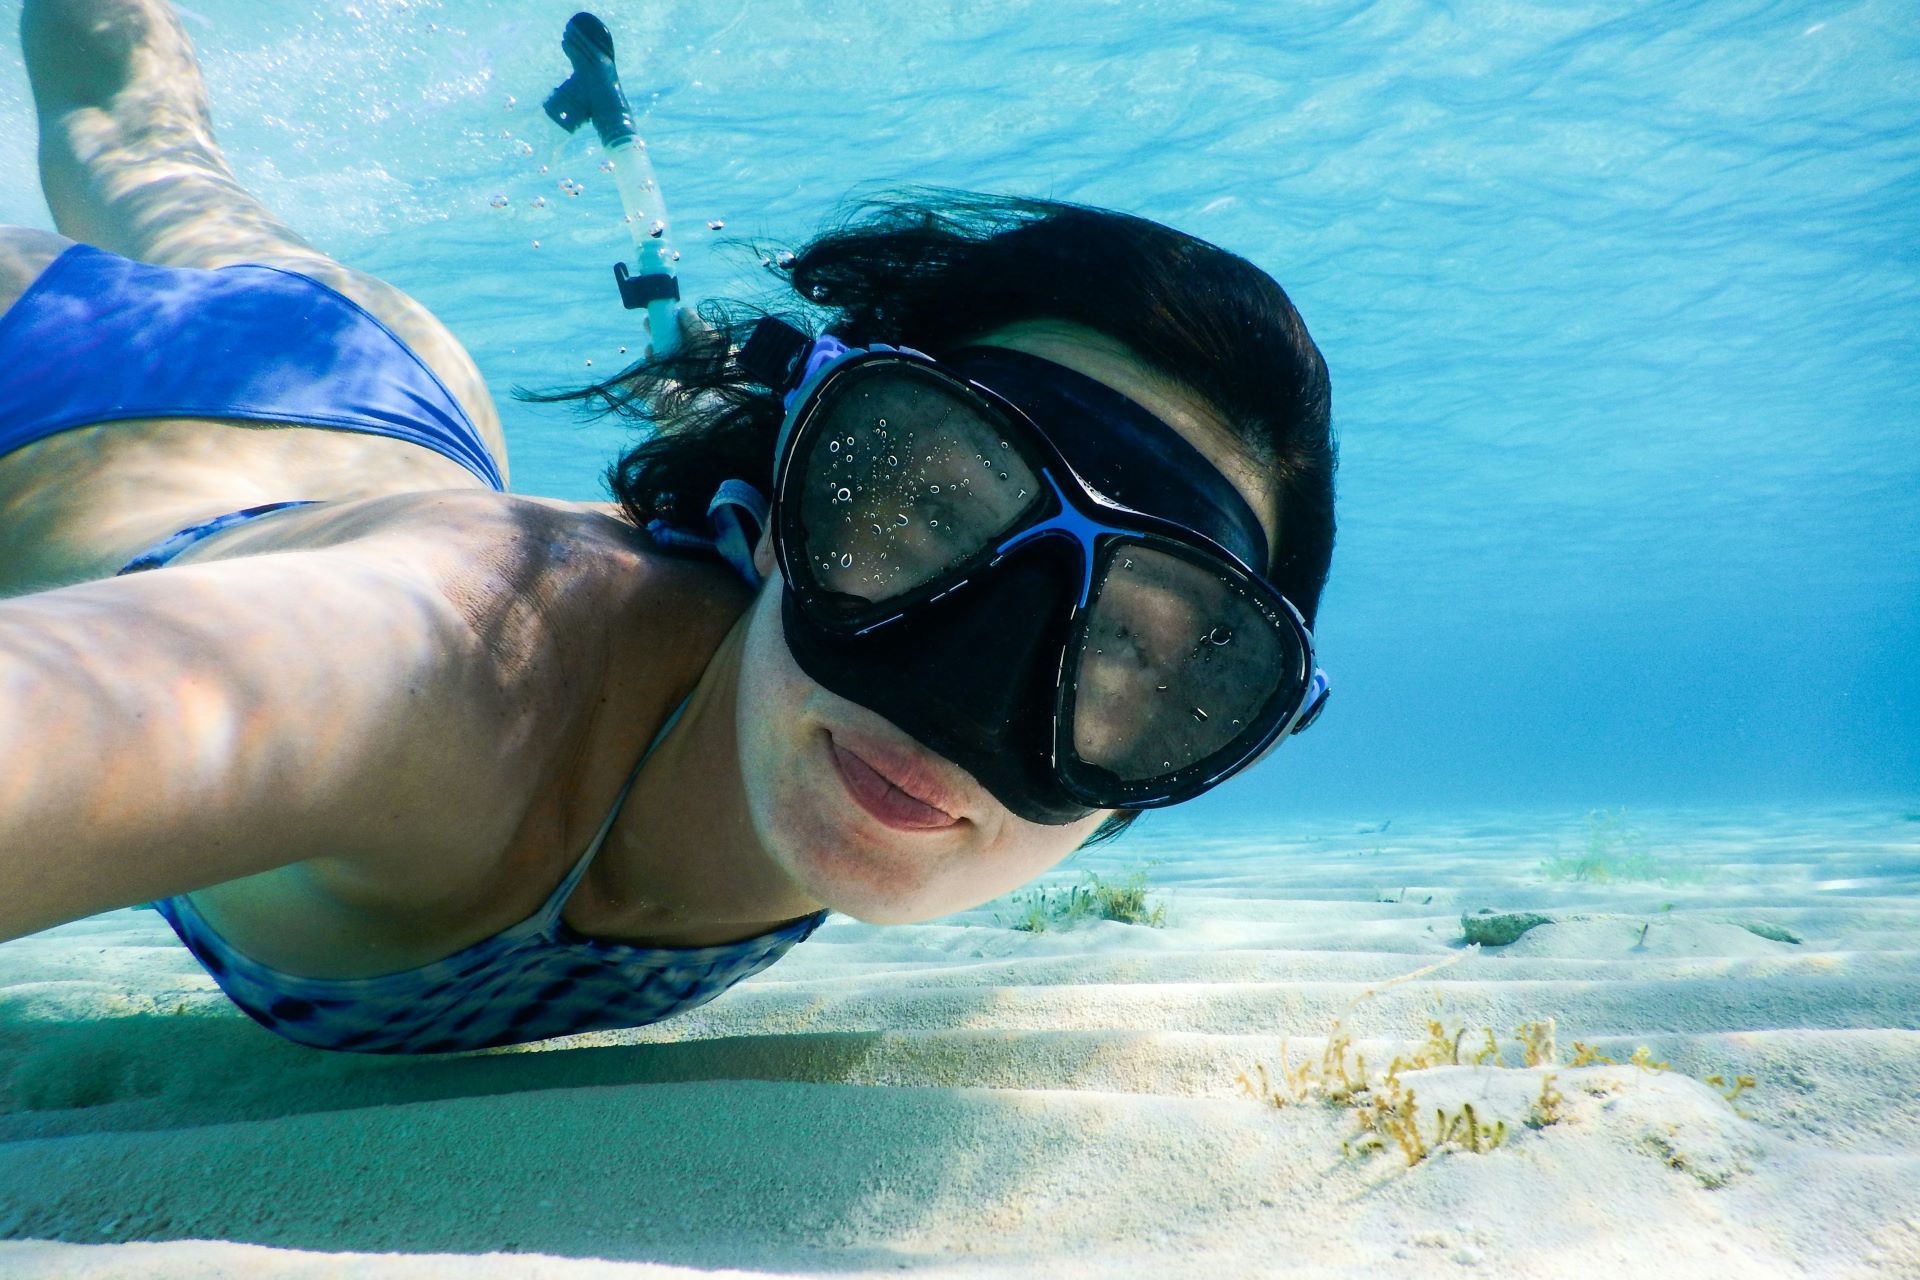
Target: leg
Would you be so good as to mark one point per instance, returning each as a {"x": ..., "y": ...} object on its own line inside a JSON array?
[
  {"x": 24, "y": 254},
  {"x": 128, "y": 162}
]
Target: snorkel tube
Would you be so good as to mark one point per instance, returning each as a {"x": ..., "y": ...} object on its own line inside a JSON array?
[{"x": 593, "y": 93}]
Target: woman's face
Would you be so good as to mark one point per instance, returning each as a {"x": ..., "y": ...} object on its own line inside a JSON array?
[{"x": 807, "y": 755}]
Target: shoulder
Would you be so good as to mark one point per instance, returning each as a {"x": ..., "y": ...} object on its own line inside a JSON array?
[
  {"x": 530, "y": 578},
  {"x": 487, "y": 546}
]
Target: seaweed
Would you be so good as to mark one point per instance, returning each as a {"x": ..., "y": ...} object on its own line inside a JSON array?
[
  {"x": 1499, "y": 930},
  {"x": 1546, "y": 1108},
  {"x": 1612, "y": 851},
  {"x": 1123, "y": 900},
  {"x": 1387, "y": 1108}
]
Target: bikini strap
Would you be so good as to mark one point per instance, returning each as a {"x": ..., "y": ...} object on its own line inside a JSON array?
[{"x": 558, "y": 898}]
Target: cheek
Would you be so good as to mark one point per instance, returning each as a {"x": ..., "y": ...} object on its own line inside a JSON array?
[
  {"x": 772, "y": 694},
  {"x": 778, "y": 714},
  {"x": 1022, "y": 851}
]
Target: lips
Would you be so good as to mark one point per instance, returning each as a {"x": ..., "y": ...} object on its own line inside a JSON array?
[{"x": 882, "y": 793}]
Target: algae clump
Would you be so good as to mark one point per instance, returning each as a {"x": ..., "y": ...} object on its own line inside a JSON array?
[
  {"x": 1123, "y": 900},
  {"x": 1499, "y": 930}
]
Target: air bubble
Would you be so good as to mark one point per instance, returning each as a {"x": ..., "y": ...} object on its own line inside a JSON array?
[
  {"x": 498, "y": 202},
  {"x": 936, "y": 488},
  {"x": 511, "y": 101},
  {"x": 846, "y": 558},
  {"x": 716, "y": 224},
  {"x": 1003, "y": 444},
  {"x": 606, "y": 166},
  {"x": 900, "y": 519},
  {"x": 843, "y": 495},
  {"x": 539, "y": 202},
  {"x": 892, "y": 461},
  {"x": 1199, "y": 714},
  {"x": 1159, "y": 688},
  {"x": 1220, "y": 636},
  {"x": 523, "y": 148},
  {"x": 658, "y": 229},
  {"x": 1003, "y": 475},
  {"x": 883, "y": 422},
  {"x": 877, "y": 529},
  {"x": 833, "y": 446}
]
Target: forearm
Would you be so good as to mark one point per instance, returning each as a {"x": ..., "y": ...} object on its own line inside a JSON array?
[{"x": 158, "y": 736}]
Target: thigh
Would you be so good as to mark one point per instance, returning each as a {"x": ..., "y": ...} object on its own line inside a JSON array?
[
  {"x": 128, "y": 161},
  {"x": 24, "y": 254}
]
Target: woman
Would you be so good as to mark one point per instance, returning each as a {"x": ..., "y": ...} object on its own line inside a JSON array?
[{"x": 416, "y": 765}]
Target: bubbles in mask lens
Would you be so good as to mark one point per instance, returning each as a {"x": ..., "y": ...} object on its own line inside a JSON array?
[
  {"x": 891, "y": 486},
  {"x": 1179, "y": 657}
]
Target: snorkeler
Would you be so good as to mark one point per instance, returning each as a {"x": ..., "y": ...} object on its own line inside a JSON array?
[{"x": 891, "y": 615}]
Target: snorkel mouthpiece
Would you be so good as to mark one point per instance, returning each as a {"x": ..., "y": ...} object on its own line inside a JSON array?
[{"x": 593, "y": 93}]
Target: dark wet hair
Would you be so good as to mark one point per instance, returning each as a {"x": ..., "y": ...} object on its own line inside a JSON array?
[{"x": 933, "y": 269}]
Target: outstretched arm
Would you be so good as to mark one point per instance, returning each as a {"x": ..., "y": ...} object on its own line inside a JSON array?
[{"x": 167, "y": 731}]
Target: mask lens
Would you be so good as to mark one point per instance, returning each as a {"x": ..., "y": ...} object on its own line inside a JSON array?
[
  {"x": 903, "y": 478},
  {"x": 1180, "y": 661}
]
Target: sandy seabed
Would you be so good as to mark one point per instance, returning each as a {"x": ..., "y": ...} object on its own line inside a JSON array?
[{"x": 963, "y": 1099}]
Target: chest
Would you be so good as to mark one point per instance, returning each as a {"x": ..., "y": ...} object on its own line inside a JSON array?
[{"x": 333, "y": 921}]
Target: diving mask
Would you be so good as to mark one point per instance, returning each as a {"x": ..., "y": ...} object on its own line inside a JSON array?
[{"x": 1070, "y": 612}]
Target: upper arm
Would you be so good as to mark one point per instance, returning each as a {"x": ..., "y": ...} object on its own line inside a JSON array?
[{"x": 166, "y": 731}]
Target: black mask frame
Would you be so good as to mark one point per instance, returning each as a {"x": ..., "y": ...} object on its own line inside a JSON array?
[{"x": 1072, "y": 512}]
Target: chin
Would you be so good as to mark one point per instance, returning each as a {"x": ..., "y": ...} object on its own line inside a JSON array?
[
  {"x": 841, "y": 857},
  {"x": 832, "y": 849}
]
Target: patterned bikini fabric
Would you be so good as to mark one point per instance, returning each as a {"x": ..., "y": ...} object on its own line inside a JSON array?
[{"x": 537, "y": 979}]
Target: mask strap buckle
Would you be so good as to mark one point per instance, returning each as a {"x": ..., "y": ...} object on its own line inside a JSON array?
[
  {"x": 778, "y": 355},
  {"x": 736, "y": 516}
]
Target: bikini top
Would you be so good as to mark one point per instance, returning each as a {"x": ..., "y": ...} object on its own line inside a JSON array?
[
  {"x": 531, "y": 981},
  {"x": 536, "y": 979}
]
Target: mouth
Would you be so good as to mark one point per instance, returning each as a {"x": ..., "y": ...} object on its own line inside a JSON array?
[{"x": 894, "y": 789}]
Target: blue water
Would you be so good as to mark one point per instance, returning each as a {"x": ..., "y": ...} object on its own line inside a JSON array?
[{"x": 1622, "y": 310}]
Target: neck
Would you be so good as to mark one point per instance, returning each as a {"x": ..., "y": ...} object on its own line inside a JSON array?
[{"x": 683, "y": 865}]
